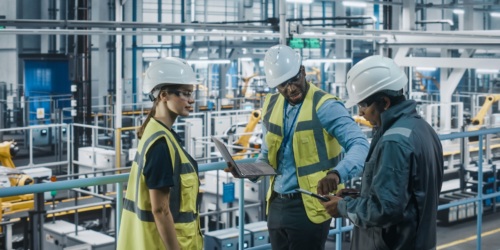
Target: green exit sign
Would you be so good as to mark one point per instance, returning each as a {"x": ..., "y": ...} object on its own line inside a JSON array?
[
  {"x": 296, "y": 43},
  {"x": 312, "y": 43},
  {"x": 2, "y": 27},
  {"x": 299, "y": 43}
]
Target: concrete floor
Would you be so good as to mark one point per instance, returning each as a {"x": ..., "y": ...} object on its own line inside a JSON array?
[{"x": 460, "y": 236}]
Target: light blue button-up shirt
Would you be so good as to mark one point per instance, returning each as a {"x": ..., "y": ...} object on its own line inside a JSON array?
[{"x": 338, "y": 123}]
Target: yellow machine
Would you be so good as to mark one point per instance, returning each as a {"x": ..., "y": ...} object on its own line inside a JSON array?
[
  {"x": 7, "y": 150},
  {"x": 246, "y": 81},
  {"x": 315, "y": 72},
  {"x": 362, "y": 121},
  {"x": 478, "y": 120},
  {"x": 243, "y": 140},
  {"x": 16, "y": 178}
]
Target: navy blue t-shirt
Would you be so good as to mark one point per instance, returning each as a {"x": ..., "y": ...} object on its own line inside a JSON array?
[{"x": 158, "y": 169}]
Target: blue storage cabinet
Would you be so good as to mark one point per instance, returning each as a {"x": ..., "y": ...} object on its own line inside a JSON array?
[{"x": 46, "y": 85}]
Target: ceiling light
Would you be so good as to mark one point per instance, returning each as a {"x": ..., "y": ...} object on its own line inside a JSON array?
[
  {"x": 495, "y": 14},
  {"x": 212, "y": 61},
  {"x": 330, "y": 60},
  {"x": 425, "y": 68},
  {"x": 440, "y": 21},
  {"x": 300, "y": 1},
  {"x": 486, "y": 71},
  {"x": 458, "y": 11},
  {"x": 245, "y": 59},
  {"x": 354, "y": 4}
]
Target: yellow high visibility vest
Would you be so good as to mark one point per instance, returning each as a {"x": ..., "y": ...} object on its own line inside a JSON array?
[
  {"x": 138, "y": 229},
  {"x": 309, "y": 138}
]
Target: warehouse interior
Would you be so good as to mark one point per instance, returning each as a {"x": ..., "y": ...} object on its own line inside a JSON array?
[{"x": 71, "y": 99}]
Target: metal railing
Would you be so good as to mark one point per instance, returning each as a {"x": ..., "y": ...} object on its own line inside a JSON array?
[{"x": 120, "y": 178}]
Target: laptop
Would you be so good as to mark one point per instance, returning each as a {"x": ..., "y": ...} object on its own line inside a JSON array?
[{"x": 245, "y": 170}]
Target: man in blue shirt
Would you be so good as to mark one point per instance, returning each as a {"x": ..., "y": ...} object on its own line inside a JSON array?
[{"x": 305, "y": 131}]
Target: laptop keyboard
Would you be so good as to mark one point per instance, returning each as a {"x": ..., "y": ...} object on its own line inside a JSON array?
[{"x": 252, "y": 168}]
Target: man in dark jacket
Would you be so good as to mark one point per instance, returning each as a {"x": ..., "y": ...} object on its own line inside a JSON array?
[{"x": 402, "y": 178}]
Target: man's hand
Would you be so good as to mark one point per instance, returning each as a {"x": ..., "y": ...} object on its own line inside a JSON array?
[
  {"x": 232, "y": 169},
  {"x": 328, "y": 184},
  {"x": 331, "y": 206}
]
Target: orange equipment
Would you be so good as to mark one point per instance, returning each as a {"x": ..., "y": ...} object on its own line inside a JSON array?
[
  {"x": 246, "y": 81},
  {"x": 478, "y": 120},
  {"x": 361, "y": 120},
  {"x": 243, "y": 140},
  {"x": 16, "y": 178}
]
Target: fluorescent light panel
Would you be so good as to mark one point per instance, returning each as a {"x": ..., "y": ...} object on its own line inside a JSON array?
[
  {"x": 354, "y": 4},
  {"x": 458, "y": 11},
  {"x": 495, "y": 14},
  {"x": 425, "y": 68},
  {"x": 486, "y": 71},
  {"x": 331, "y": 60},
  {"x": 300, "y": 1},
  {"x": 212, "y": 61}
]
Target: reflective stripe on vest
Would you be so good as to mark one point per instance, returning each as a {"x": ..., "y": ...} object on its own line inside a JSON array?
[
  {"x": 139, "y": 230},
  {"x": 315, "y": 151},
  {"x": 147, "y": 216},
  {"x": 406, "y": 132},
  {"x": 321, "y": 146},
  {"x": 181, "y": 168},
  {"x": 271, "y": 127}
]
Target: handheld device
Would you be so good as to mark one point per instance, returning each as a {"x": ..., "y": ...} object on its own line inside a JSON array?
[
  {"x": 349, "y": 193},
  {"x": 317, "y": 196}
]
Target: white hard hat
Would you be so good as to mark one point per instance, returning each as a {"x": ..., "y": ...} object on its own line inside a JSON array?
[
  {"x": 280, "y": 64},
  {"x": 371, "y": 75},
  {"x": 166, "y": 71}
]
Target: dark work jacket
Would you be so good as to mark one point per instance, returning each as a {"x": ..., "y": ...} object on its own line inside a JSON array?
[{"x": 402, "y": 178}]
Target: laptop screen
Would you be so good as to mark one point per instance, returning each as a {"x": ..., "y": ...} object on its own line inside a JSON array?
[{"x": 223, "y": 150}]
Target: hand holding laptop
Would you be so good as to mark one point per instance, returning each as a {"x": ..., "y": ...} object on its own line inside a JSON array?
[
  {"x": 232, "y": 169},
  {"x": 243, "y": 170}
]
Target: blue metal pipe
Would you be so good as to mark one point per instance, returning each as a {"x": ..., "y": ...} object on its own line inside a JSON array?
[
  {"x": 62, "y": 185},
  {"x": 85, "y": 182},
  {"x": 469, "y": 133},
  {"x": 119, "y": 204},
  {"x": 134, "y": 55},
  {"x": 323, "y": 52},
  {"x": 119, "y": 178},
  {"x": 480, "y": 193},
  {"x": 338, "y": 238},
  {"x": 241, "y": 212}
]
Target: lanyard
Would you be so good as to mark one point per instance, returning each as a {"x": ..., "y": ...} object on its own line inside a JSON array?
[{"x": 287, "y": 135}]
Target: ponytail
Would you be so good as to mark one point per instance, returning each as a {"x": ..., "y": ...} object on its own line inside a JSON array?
[{"x": 151, "y": 113}]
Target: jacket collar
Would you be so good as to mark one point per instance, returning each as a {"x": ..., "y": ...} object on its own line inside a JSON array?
[{"x": 394, "y": 113}]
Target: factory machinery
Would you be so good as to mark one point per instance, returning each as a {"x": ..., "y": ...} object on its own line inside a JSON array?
[
  {"x": 240, "y": 130},
  {"x": 61, "y": 211},
  {"x": 220, "y": 198}
]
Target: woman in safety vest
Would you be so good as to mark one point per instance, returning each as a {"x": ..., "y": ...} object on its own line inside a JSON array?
[{"x": 160, "y": 209}]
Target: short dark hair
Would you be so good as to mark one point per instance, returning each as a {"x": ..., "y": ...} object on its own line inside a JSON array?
[{"x": 396, "y": 97}]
